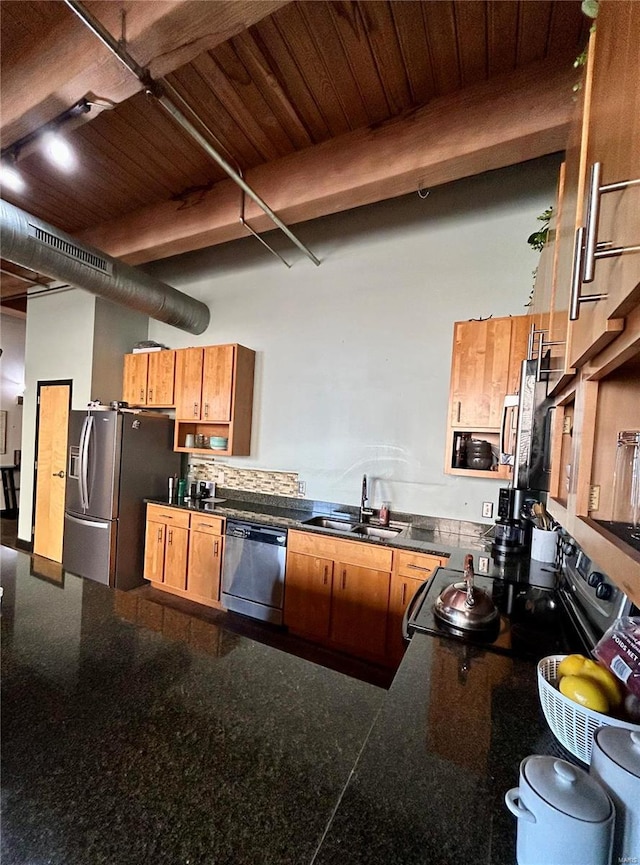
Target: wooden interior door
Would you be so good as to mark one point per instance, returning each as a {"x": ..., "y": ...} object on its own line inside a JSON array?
[{"x": 51, "y": 469}]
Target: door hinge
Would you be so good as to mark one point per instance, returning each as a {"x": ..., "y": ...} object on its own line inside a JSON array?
[{"x": 594, "y": 497}]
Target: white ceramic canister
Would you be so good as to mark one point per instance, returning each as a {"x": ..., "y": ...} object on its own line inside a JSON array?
[
  {"x": 565, "y": 817},
  {"x": 615, "y": 764}
]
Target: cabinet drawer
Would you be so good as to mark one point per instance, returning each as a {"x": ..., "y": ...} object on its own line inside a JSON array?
[
  {"x": 170, "y": 516},
  {"x": 417, "y": 566},
  {"x": 207, "y": 524},
  {"x": 348, "y": 552}
]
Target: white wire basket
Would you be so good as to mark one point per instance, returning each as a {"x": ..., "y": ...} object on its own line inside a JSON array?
[{"x": 571, "y": 724}]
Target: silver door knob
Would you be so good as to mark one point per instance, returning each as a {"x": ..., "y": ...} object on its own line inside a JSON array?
[{"x": 59, "y": 474}]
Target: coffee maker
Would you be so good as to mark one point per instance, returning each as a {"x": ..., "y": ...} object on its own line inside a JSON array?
[{"x": 510, "y": 533}]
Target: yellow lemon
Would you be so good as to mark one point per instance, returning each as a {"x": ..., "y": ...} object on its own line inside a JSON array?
[
  {"x": 571, "y": 665},
  {"x": 605, "y": 679},
  {"x": 585, "y": 691}
]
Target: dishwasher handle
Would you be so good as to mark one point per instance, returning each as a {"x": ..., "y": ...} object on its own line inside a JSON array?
[{"x": 257, "y": 532}]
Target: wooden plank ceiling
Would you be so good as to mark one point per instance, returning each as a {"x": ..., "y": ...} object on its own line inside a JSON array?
[{"x": 272, "y": 82}]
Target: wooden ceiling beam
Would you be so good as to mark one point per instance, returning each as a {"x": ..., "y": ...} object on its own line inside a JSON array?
[
  {"x": 69, "y": 63},
  {"x": 509, "y": 119}
]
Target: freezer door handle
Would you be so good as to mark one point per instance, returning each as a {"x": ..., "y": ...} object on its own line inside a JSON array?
[{"x": 93, "y": 523}]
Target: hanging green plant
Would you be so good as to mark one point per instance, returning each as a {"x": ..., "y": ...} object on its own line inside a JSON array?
[
  {"x": 538, "y": 239},
  {"x": 590, "y": 9}
]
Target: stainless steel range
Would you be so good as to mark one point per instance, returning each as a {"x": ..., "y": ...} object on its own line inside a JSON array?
[
  {"x": 592, "y": 601},
  {"x": 569, "y": 613}
]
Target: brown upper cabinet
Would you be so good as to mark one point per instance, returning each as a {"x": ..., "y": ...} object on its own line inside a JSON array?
[
  {"x": 148, "y": 378},
  {"x": 601, "y": 191},
  {"x": 486, "y": 362},
  {"x": 597, "y": 395},
  {"x": 214, "y": 397}
]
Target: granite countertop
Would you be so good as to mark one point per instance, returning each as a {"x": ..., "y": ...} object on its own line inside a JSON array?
[
  {"x": 135, "y": 732},
  {"x": 451, "y": 538}
]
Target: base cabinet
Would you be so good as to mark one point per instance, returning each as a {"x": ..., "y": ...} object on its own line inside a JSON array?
[
  {"x": 410, "y": 570},
  {"x": 307, "y": 601},
  {"x": 352, "y": 596},
  {"x": 205, "y": 558},
  {"x": 165, "y": 557},
  {"x": 359, "y": 606},
  {"x": 183, "y": 553},
  {"x": 337, "y": 592}
]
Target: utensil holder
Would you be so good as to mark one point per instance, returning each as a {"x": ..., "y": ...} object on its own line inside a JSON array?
[{"x": 544, "y": 544}]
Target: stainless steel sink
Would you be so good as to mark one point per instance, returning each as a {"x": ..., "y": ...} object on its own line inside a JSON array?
[
  {"x": 328, "y": 523},
  {"x": 376, "y": 532}
]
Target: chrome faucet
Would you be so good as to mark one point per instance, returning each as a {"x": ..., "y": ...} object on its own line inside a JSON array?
[{"x": 365, "y": 511}]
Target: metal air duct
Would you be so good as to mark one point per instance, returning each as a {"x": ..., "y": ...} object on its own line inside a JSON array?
[{"x": 29, "y": 242}]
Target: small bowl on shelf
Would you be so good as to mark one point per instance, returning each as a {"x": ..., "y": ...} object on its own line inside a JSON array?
[{"x": 218, "y": 443}]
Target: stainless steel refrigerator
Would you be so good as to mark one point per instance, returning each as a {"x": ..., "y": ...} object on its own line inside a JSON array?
[{"x": 116, "y": 459}]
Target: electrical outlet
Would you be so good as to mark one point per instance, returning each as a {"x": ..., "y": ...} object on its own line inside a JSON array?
[
  {"x": 483, "y": 564},
  {"x": 302, "y": 488},
  {"x": 487, "y": 509}
]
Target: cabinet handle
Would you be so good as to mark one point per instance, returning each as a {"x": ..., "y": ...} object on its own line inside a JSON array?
[
  {"x": 159, "y": 535},
  {"x": 195, "y": 409},
  {"x": 150, "y": 393},
  {"x": 592, "y": 249},
  {"x": 206, "y": 409},
  {"x": 344, "y": 579},
  {"x": 326, "y": 575},
  {"x": 404, "y": 594},
  {"x": 141, "y": 395},
  {"x": 420, "y": 568},
  {"x": 170, "y": 536},
  {"x": 577, "y": 278},
  {"x": 459, "y": 410},
  {"x": 541, "y": 349},
  {"x": 215, "y": 548}
]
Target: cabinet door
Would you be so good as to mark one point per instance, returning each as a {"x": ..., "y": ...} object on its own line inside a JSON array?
[
  {"x": 614, "y": 142},
  {"x": 480, "y": 373},
  {"x": 160, "y": 378},
  {"x": 402, "y": 591},
  {"x": 217, "y": 381},
  {"x": 307, "y": 594},
  {"x": 205, "y": 560},
  {"x": 359, "y": 605},
  {"x": 134, "y": 380},
  {"x": 154, "y": 541},
  {"x": 188, "y": 389},
  {"x": 175, "y": 557}
]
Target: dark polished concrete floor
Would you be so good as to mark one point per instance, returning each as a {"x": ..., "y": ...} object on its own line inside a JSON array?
[
  {"x": 8, "y": 532},
  {"x": 136, "y": 732}
]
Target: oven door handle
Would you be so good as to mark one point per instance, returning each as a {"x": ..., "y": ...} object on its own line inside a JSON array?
[{"x": 411, "y": 607}]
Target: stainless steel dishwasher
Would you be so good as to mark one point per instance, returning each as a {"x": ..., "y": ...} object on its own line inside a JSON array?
[{"x": 253, "y": 570}]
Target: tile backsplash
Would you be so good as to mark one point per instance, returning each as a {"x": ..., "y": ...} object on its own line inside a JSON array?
[{"x": 251, "y": 480}]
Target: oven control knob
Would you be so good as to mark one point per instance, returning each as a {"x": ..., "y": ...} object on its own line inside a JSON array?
[
  {"x": 568, "y": 548},
  {"x": 603, "y": 591},
  {"x": 595, "y": 579}
]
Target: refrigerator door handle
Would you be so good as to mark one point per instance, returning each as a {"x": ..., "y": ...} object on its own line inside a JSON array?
[
  {"x": 85, "y": 436},
  {"x": 93, "y": 523}
]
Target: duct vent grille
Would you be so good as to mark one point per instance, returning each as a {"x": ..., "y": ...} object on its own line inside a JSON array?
[{"x": 71, "y": 250}]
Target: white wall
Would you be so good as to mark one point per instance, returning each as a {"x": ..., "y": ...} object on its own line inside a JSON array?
[
  {"x": 72, "y": 335},
  {"x": 354, "y": 356},
  {"x": 12, "y": 341}
]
